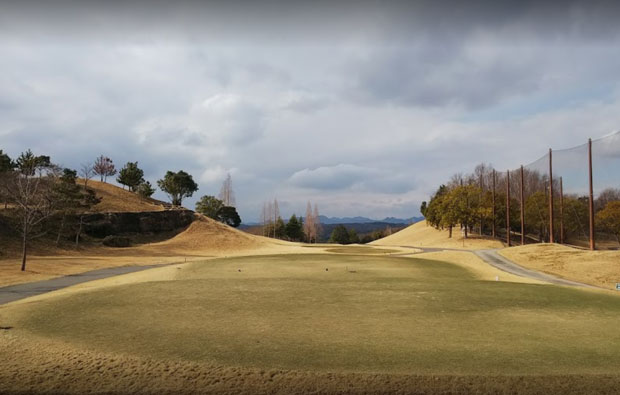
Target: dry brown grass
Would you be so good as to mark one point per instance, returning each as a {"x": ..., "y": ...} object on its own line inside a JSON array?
[
  {"x": 115, "y": 199},
  {"x": 601, "y": 268},
  {"x": 63, "y": 368},
  {"x": 73, "y": 366},
  {"x": 474, "y": 264},
  {"x": 421, "y": 234},
  {"x": 204, "y": 238}
]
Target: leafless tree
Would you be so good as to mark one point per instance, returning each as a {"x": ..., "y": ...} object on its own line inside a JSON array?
[
  {"x": 309, "y": 226},
  {"x": 227, "y": 195},
  {"x": 87, "y": 171},
  {"x": 276, "y": 215},
  {"x": 104, "y": 168},
  {"x": 264, "y": 218},
  {"x": 318, "y": 229},
  {"x": 32, "y": 194}
]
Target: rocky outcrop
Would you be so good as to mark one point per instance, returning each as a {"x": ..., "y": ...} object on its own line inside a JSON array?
[{"x": 149, "y": 222}]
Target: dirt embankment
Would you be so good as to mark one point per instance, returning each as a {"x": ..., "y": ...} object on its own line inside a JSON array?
[
  {"x": 601, "y": 268},
  {"x": 421, "y": 234}
]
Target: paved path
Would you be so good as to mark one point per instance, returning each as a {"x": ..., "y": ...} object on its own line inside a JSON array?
[
  {"x": 493, "y": 258},
  {"x": 26, "y": 290}
]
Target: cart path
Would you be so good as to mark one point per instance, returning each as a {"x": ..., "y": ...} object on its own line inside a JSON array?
[
  {"x": 15, "y": 292},
  {"x": 493, "y": 258}
]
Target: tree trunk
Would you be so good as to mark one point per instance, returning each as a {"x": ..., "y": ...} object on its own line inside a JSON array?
[
  {"x": 466, "y": 228},
  {"x": 62, "y": 225},
  {"x": 24, "y": 251},
  {"x": 450, "y": 231},
  {"x": 79, "y": 232}
]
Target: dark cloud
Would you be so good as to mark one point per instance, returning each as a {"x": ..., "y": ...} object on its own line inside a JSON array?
[
  {"x": 281, "y": 22},
  {"x": 287, "y": 96}
]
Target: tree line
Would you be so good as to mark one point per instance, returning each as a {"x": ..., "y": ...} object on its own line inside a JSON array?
[
  {"x": 305, "y": 229},
  {"x": 478, "y": 202},
  {"x": 41, "y": 197}
]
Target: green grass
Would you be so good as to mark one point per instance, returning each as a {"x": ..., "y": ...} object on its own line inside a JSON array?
[{"x": 397, "y": 315}]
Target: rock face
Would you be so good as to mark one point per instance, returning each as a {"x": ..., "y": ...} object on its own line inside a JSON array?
[{"x": 110, "y": 224}]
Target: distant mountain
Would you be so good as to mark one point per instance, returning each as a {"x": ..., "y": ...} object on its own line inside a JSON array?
[
  {"x": 364, "y": 220},
  {"x": 354, "y": 220}
]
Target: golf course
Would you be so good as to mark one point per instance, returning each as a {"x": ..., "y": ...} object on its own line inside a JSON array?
[{"x": 331, "y": 318}]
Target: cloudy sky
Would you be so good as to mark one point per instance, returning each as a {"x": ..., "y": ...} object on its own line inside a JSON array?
[{"x": 361, "y": 108}]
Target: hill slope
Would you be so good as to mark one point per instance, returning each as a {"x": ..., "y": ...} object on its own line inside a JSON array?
[
  {"x": 422, "y": 235},
  {"x": 116, "y": 199},
  {"x": 207, "y": 236}
]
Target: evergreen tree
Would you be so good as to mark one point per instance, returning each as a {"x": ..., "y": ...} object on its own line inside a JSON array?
[
  {"x": 229, "y": 216},
  {"x": 353, "y": 237},
  {"x": 28, "y": 163},
  {"x": 6, "y": 164},
  {"x": 145, "y": 190},
  {"x": 131, "y": 175},
  {"x": 209, "y": 206},
  {"x": 178, "y": 186},
  {"x": 293, "y": 229},
  {"x": 340, "y": 235},
  {"x": 280, "y": 228}
]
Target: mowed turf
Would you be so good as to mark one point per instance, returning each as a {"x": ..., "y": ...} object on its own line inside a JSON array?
[{"x": 341, "y": 313}]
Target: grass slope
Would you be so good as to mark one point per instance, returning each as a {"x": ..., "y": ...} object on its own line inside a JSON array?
[
  {"x": 116, "y": 199},
  {"x": 421, "y": 234},
  {"x": 363, "y": 314},
  {"x": 601, "y": 268}
]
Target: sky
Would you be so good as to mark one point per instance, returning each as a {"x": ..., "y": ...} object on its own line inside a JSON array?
[{"x": 361, "y": 108}]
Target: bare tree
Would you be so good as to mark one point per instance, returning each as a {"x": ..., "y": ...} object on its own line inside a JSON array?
[
  {"x": 104, "y": 168},
  {"x": 309, "y": 225},
  {"x": 227, "y": 195},
  {"x": 31, "y": 191},
  {"x": 318, "y": 229},
  {"x": 87, "y": 171},
  {"x": 276, "y": 215},
  {"x": 263, "y": 217}
]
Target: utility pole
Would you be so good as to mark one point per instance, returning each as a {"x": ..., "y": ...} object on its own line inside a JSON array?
[
  {"x": 522, "y": 211},
  {"x": 561, "y": 212},
  {"x": 493, "y": 194},
  {"x": 592, "y": 242},
  {"x": 480, "y": 200},
  {"x": 551, "y": 240},
  {"x": 508, "y": 207}
]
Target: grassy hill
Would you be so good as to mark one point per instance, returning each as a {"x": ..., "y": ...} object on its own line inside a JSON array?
[
  {"x": 423, "y": 235},
  {"x": 116, "y": 199}
]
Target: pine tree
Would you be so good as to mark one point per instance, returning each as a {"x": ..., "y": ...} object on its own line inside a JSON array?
[{"x": 131, "y": 175}]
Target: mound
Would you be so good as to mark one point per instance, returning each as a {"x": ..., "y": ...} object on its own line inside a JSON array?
[
  {"x": 208, "y": 236},
  {"x": 421, "y": 234},
  {"x": 115, "y": 199},
  {"x": 591, "y": 267}
]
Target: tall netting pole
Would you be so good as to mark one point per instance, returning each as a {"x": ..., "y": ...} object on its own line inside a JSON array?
[
  {"x": 550, "y": 197},
  {"x": 561, "y": 212},
  {"x": 508, "y": 207},
  {"x": 493, "y": 199},
  {"x": 522, "y": 210},
  {"x": 592, "y": 243},
  {"x": 480, "y": 200}
]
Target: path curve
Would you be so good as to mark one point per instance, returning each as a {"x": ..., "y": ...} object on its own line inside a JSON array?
[
  {"x": 493, "y": 258},
  {"x": 15, "y": 292}
]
